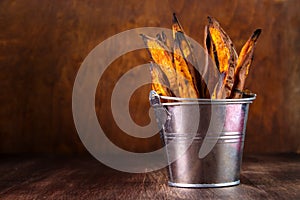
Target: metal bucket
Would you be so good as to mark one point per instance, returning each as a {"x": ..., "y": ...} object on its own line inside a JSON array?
[{"x": 203, "y": 139}]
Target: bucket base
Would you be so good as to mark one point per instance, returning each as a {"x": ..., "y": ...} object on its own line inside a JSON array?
[{"x": 212, "y": 185}]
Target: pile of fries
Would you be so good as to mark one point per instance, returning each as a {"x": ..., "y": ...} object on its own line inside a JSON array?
[{"x": 174, "y": 75}]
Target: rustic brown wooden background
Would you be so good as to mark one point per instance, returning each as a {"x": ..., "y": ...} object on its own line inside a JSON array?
[{"x": 43, "y": 43}]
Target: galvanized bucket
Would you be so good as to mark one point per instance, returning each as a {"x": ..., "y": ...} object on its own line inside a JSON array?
[{"x": 204, "y": 139}]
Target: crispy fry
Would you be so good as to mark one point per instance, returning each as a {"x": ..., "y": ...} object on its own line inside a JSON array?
[
  {"x": 225, "y": 57},
  {"x": 160, "y": 83},
  {"x": 210, "y": 48},
  {"x": 186, "y": 73},
  {"x": 211, "y": 72},
  {"x": 184, "y": 80},
  {"x": 187, "y": 52},
  {"x": 243, "y": 64},
  {"x": 161, "y": 55}
]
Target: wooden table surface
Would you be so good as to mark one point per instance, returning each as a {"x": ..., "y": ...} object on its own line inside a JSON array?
[{"x": 37, "y": 177}]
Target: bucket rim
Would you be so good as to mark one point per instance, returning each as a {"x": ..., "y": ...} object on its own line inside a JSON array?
[{"x": 155, "y": 100}]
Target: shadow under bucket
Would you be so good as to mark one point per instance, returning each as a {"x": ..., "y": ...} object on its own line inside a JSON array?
[{"x": 203, "y": 138}]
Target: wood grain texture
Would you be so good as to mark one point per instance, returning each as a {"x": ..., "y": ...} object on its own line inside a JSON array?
[
  {"x": 262, "y": 177},
  {"x": 43, "y": 43}
]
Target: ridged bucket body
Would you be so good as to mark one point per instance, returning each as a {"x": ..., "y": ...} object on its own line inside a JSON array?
[{"x": 204, "y": 139}]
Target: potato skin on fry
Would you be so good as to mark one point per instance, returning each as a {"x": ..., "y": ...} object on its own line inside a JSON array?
[
  {"x": 160, "y": 83},
  {"x": 220, "y": 46},
  {"x": 244, "y": 63},
  {"x": 185, "y": 71},
  {"x": 185, "y": 83},
  {"x": 162, "y": 56},
  {"x": 188, "y": 65}
]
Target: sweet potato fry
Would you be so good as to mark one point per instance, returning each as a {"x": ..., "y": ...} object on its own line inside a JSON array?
[
  {"x": 225, "y": 57},
  {"x": 162, "y": 56},
  {"x": 243, "y": 64},
  {"x": 211, "y": 74},
  {"x": 185, "y": 83},
  {"x": 160, "y": 82},
  {"x": 186, "y": 66},
  {"x": 210, "y": 49},
  {"x": 186, "y": 77}
]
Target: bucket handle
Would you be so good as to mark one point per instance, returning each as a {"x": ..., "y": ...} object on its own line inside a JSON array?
[{"x": 154, "y": 98}]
